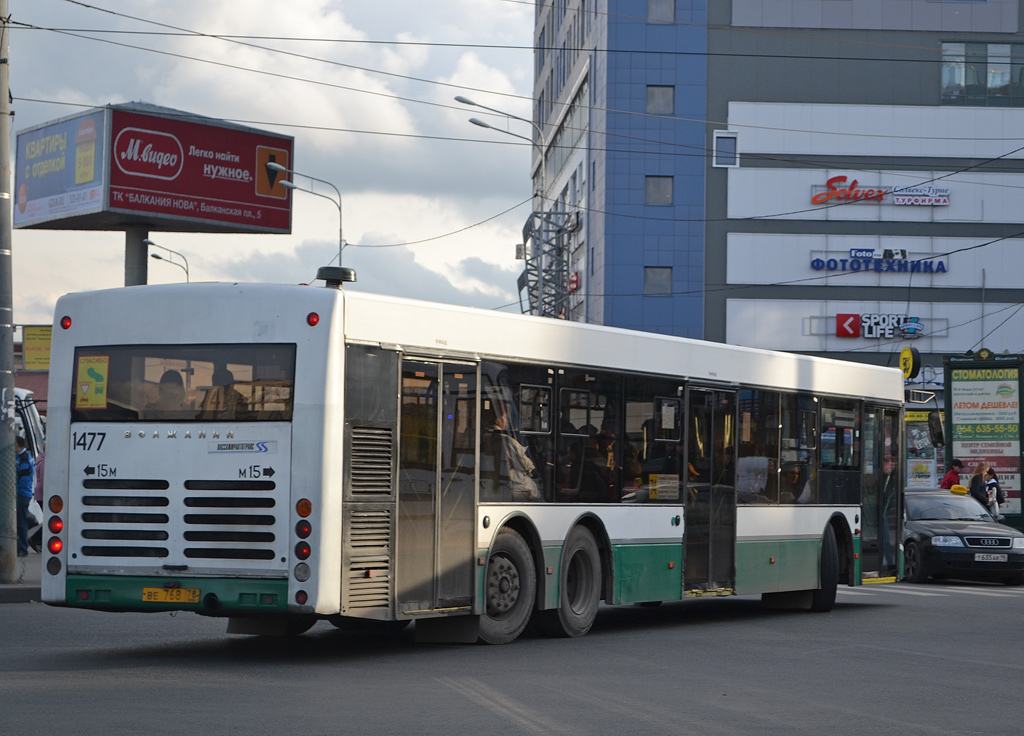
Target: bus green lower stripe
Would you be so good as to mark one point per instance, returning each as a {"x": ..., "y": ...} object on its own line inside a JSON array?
[
  {"x": 768, "y": 566},
  {"x": 647, "y": 572}
]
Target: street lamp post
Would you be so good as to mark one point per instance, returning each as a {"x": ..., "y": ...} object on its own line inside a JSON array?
[
  {"x": 149, "y": 243},
  {"x": 536, "y": 129},
  {"x": 546, "y": 256},
  {"x": 274, "y": 166}
]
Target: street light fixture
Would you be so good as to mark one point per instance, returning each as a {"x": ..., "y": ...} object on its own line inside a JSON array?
[
  {"x": 274, "y": 166},
  {"x": 149, "y": 243},
  {"x": 539, "y": 142},
  {"x": 547, "y": 267}
]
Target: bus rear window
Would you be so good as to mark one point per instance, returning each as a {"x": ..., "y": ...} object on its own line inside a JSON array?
[{"x": 183, "y": 383}]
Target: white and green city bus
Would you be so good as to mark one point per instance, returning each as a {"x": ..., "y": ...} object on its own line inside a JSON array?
[{"x": 277, "y": 455}]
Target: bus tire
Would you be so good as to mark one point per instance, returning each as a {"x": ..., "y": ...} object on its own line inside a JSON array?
[
  {"x": 510, "y": 587},
  {"x": 579, "y": 588},
  {"x": 823, "y": 599}
]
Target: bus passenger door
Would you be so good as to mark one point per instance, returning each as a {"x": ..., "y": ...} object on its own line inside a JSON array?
[
  {"x": 436, "y": 480},
  {"x": 880, "y": 499},
  {"x": 710, "y": 482}
]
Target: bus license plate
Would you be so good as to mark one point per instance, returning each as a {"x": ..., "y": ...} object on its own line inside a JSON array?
[
  {"x": 176, "y": 595},
  {"x": 988, "y": 557}
]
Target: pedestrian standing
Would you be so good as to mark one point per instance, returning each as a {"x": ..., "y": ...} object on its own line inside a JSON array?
[
  {"x": 995, "y": 493},
  {"x": 977, "y": 487},
  {"x": 26, "y": 476},
  {"x": 952, "y": 478}
]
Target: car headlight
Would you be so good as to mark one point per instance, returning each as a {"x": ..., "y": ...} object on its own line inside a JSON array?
[
  {"x": 947, "y": 542},
  {"x": 1018, "y": 542}
]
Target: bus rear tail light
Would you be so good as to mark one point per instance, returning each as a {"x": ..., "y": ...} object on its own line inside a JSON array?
[
  {"x": 55, "y": 524},
  {"x": 301, "y": 597},
  {"x": 312, "y": 319},
  {"x": 303, "y": 507},
  {"x": 302, "y": 550},
  {"x": 303, "y": 529},
  {"x": 54, "y": 545},
  {"x": 56, "y": 504},
  {"x": 65, "y": 322}
]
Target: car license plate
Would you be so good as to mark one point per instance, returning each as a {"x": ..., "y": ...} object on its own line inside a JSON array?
[
  {"x": 988, "y": 557},
  {"x": 179, "y": 595}
]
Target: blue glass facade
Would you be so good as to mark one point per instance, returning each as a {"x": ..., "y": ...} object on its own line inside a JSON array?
[{"x": 623, "y": 54}]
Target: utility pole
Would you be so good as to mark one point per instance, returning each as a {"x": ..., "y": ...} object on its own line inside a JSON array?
[{"x": 8, "y": 502}]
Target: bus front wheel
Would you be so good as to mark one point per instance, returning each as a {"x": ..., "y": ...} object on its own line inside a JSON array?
[
  {"x": 511, "y": 585},
  {"x": 824, "y": 598},
  {"x": 579, "y": 588}
]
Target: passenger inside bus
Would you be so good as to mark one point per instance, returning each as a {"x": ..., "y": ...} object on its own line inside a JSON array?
[
  {"x": 171, "y": 400},
  {"x": 506, "y": 469},
  {"x": 222, "y": 401}
]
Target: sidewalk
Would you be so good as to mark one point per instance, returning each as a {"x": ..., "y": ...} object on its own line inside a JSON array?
[{"x": 28, "y": 571}]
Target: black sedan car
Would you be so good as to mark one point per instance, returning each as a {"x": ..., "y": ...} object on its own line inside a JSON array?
[{"x": 947, "y": 535}]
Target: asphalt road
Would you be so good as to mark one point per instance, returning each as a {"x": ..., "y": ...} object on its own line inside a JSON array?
[{"x": 892, "y": 659}]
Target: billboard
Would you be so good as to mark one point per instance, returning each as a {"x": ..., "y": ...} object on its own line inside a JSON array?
[
  {"x": 35, "y": 346},
  {"x": 983, "y": 407},
  {"x": 59, "y": 170},
  {"x": 141, "y": 165}
]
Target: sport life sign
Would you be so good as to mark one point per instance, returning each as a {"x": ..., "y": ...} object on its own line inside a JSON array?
[
  {"x": 878, "y": 326},
  {"x": 836, "y": 191}
]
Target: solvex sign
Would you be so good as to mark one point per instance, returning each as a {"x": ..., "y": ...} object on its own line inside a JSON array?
[{"x": 836, "y": 192}]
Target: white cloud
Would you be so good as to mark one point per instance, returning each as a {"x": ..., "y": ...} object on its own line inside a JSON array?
[{"x": 394, "y": 188}]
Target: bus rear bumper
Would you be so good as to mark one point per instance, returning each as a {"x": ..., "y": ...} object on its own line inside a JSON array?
[{"x": 209, "y": 596}]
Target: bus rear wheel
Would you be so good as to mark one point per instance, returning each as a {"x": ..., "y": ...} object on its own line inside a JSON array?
[
  {"x": 579, "y": 588},
  {"x": 511, "y": 587},
  {"x": 824, "y": 598}
]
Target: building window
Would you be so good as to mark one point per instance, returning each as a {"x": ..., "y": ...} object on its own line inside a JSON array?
[
  {"x": 725, "y": 154},
  {"x": 657, "y": 281},
  {"x": 661, "y": 100},
  {"x": 541, "y": 50},
  {"x": 659, "y": 190},
  {"x": 980, "y": 74},
  {"x": 661, "y": 11}
]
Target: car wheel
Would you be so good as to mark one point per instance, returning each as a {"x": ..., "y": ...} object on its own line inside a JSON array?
[{"x": 913, "y": 566}]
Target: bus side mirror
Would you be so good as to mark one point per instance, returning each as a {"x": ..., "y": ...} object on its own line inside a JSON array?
[{"x": 935, "y": 429}]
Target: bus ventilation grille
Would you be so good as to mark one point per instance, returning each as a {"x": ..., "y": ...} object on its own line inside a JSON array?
[
  {"x": 218, "y": 521},
  {"x": 369, "y": 568},
  {"x": 373, "y": 452}
]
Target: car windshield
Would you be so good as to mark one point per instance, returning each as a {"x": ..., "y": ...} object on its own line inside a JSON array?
[{"x": 944, "y": 508}]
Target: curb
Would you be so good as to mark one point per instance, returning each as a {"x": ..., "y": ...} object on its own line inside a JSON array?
[{"x": 18, "y": 593}]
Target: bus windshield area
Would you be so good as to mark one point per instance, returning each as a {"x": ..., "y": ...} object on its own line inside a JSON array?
[{"x": 183, "y": 383}]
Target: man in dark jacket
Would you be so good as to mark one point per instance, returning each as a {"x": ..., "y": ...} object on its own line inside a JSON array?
[{"x": 952, "y": 478}]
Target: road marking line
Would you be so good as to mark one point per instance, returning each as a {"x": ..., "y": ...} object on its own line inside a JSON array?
[
  {"x": 979, "y": 591},
  {"x": 902, "y": 591}
]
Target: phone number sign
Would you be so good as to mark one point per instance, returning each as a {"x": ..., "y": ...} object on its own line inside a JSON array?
[{"x": 984, "y": 412}]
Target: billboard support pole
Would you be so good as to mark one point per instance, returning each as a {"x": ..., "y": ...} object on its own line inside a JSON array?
[
  {"x": 8, "y": 486},
  {"x": 136, "y": 269}
]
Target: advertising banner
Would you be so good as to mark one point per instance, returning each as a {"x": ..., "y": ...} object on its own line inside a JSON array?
[
  {"x": 35, "y": 346},
  {"x": 59, "y": 169},
  {"x": 183, "y": 168},
  {"x": 984, "y": 408}
]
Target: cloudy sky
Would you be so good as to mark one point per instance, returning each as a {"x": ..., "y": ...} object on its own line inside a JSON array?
[{"x": 388, "y": 134}]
